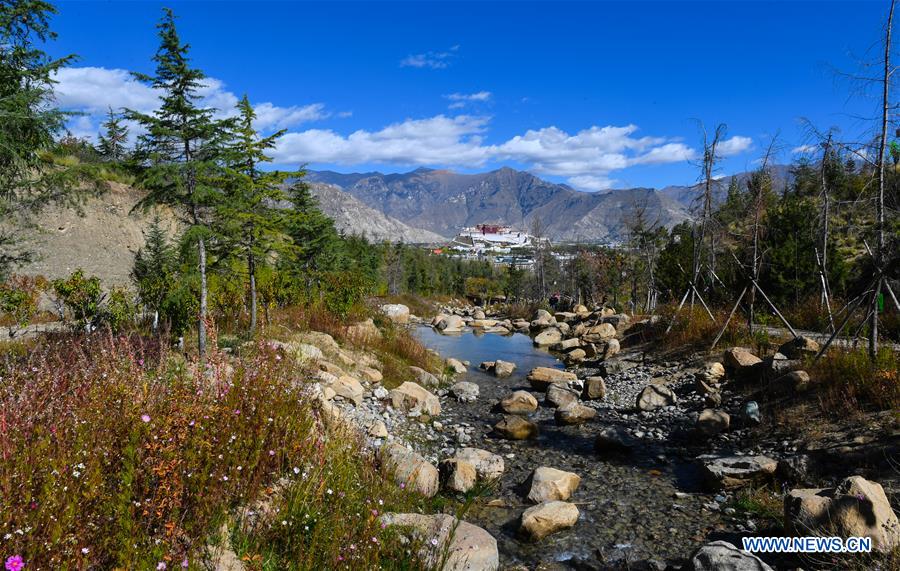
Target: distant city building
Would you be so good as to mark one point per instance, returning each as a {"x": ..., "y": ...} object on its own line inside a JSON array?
[{"x": 497, "y": 242}]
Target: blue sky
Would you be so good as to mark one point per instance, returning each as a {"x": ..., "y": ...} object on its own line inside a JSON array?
[{"x": 597, "y": 94}]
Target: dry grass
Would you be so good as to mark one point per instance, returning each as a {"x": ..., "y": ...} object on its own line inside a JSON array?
[{"x": 849, "y": 382}]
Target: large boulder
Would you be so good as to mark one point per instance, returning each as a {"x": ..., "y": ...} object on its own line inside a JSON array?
[
  {"x": 723, "y": 556},
  {"x": 519, "y": 402},
  {"x": 597, "y": 333},
  {"x": 574, "y": 413},
  {"x": 449, "y": 324},
  {"x": 396, "y": 312},
  {"x": 348, "y": 388},
  {"x": 547, "y": 337},
  {"x": 732, "y": 472},
  {"x": 503, "y": 369},
  {"x": 424, "y": 378},
  {"x": 457, "y": 475},
  {"x": 609, "y": 349},
  {"x": 799, "y": 347},
  {"x": 560, "y": 395},
  {"x": 409, "y": 469},
  {"x": 547, "y": 518},
  {"x": 594, "y": 388},
  {"x": 488, "y": 466},
  {"x": 741, "y": 363},
  {"x": 856, "y": 508},
  {"x": 363, "y": 331},
  {"x": 712, "y": 422},
  {"x": 514, "y": 427},
  {"x": 654, "y": 397},
  {"x": 548, "y": 484},
  {"x": 413, "y": 397},
  {"x": 456, "y": 366},
  {"x": 467, "y": 547},
  {"x": 542, "y": 377}
]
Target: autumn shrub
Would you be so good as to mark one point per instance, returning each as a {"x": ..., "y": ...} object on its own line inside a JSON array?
[
  {"x": 850, "y": 381},
  {"x": 115, "y": 453},
  {"x": 19, "y": 297}
]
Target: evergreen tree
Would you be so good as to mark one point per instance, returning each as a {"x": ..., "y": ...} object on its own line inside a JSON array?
[
  {"x": 28, "y": 121},
  {"x": 315, "y": 243},
  {"x": 112, "y": 143},
  {"x": 250, "y": 214},
  {"x": 180, "y": 150},
  {"x": 154, "y": 269}
]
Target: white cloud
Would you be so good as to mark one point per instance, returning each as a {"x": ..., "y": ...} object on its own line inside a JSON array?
[
  {"x": 593, "y": 183},
  {"x": 431, "y": 60},
  {"x": 804, "y": 149},
  {"x": 734, "y": 146},
  {"x": 94, "y": 90},
  {"x": 478, "y": 96}
]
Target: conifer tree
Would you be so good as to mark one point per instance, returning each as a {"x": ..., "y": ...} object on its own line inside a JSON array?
[
  {"x": 112, "y": 143},
  {"x": 28, "y": 121},
  {"x": 181, "y": 149},
  {"x": 250, "y": 214}
]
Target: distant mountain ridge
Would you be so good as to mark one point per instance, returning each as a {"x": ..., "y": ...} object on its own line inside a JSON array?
[
  {"x": 690, "y": 195},
  {"x": 443, "y": 202}
]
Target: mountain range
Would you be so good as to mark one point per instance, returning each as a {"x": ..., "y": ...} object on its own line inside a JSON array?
[{"x": 442, "y": 202}]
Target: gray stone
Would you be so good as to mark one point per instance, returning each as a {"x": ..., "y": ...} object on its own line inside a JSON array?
[{"x": 723, "y": 556}]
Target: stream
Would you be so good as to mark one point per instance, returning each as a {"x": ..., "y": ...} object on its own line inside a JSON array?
[{"x": 646, "y": 505}]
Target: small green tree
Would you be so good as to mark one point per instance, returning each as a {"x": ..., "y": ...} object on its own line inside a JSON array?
[
  {"x": 80, "y": 298},
  {"x": 112, "y": 143},
  {"x": 251, "y": 210},
  {"x": 155, "y": 270}
]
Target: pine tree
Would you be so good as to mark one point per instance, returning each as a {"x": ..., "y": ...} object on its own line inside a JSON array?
[
  {"x": 180, "y": 150},
  {"x": 154, "y": 269},
  {"x": 112, "y": 144},
  {"x": 250, "y": 214},
  {"x": 28, "y": 120},
  {"x": 316, "y": 243}
]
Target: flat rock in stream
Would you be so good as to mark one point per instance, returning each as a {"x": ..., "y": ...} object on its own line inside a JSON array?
[
  {"x": 732, "y": 472},
  {"x": 519, "y": 402},
  {"x": 547, "y": 518},
  {"x": 488, "y": 466},
  {"x": 560, "y": 395},
  {"x": 574, "y": 413},
  {"x": 542, "y": 377},
  {"x": 549, "y": 484},
  {"x": 516, "y": 428}
]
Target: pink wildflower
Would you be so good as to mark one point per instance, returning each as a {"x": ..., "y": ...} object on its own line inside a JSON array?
[
  {"x": 15, "y": 563},
  {"x": 145, "y": 417}
]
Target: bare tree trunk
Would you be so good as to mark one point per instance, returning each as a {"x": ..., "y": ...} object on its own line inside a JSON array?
[
  {"x": 879, "y": 200},
  {"x": 251, "y": 269},
  {"x": 201, "y": 322}
]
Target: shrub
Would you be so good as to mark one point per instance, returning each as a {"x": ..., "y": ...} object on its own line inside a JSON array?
[
  {"x": 19, "y": 297},
  {"x": 81, "y": 297},
  {"x": 121, "y": 309}
]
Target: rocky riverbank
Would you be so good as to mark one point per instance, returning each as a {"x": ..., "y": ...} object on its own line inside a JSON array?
[{"x": 646, "y": 459}]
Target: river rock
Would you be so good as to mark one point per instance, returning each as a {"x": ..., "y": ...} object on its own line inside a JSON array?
[
  {"x": 723, "y": 556},
  {"x": 594, "y": 388},
  {"x": 654, "y": 397},
  {"x": 348, "y": 388},
  {"x": 548, "y": 484},
  {"x": 581, "y": 310},
  {"x": 750, "y": 414},
  {"x": 574, "y": 413},
  {"x": 792, "y": 382},
  {"x": 413, "y": 397},
  {"x": 465, "y": 391},
  {"x": 457, "y": 475},
  {"x": 519, "y": 402},
  {"x": 560, "y": 395},
  {"x": 609, "y": 349},
  {"x": 547, "y": 518},
  {"x": 484, "y": 323},
  {"x": 467, "y": 546},
  {"x": 396, "y": 312},
  {"x": 409, "y": 469},
  {"x": 712, "y": 373},
  {"x": 575, "y": 356},
  {"x": 732, "y": 472},
  {"x": 363, "y": 331},
  {"x": 542, "y": 377},
  {"x": 514, "y": 427},
  {"x": 856, "y": 508},
  {"x": 424, "y": 378},
  {"x": 488, "y": 466},
  {"x": 567, "y": 344},
  {"x": 547, "y": 337},
  {"x": 450, "y": 324},
  {"x": 370, "y": 374},
  {"x": 377, "y": 429},
  {"x": 799, "y": 347},
  {"x": 712, "y": 422},
  {"x": 740, "y": 361},
  {"x": 614, "y": 440},
  {"x": 503, "y": 369},
  {"x": 457, "y": 366},
  {"x": 597, "y": 333}
]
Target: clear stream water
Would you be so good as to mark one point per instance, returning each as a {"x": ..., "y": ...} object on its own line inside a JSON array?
[{"x": 628, "y": 508}]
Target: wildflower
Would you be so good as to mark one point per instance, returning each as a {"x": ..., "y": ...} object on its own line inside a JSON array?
[
  {"x": 85, "y": 550},
  {"x": 374, "y": 539},
  {"x": 434, "y": 541},
  {"x": 271, "y": 452},
  {"x": 15, "y": 563},
  {"x": 328, "y": 491},
  {"x": 145, "y": 417},
  {"x": 184, "y": 564},
  {"x": 296, "y": 470},
  {"x": 161, "y": 566}
]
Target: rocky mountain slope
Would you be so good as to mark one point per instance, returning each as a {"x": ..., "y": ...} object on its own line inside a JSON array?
[
  {"x": 443, "y": 201},
  {"x": 688, "y": 196},
  {"x": 352, "y": 216}
]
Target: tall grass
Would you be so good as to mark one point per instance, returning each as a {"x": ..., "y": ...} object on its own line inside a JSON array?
[
  {"x": 851, "y": 382},
  {"x": 117, "y": 454}
]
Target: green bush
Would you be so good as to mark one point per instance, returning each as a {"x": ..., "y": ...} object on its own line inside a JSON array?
[{"x": 81, "y": 298}]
